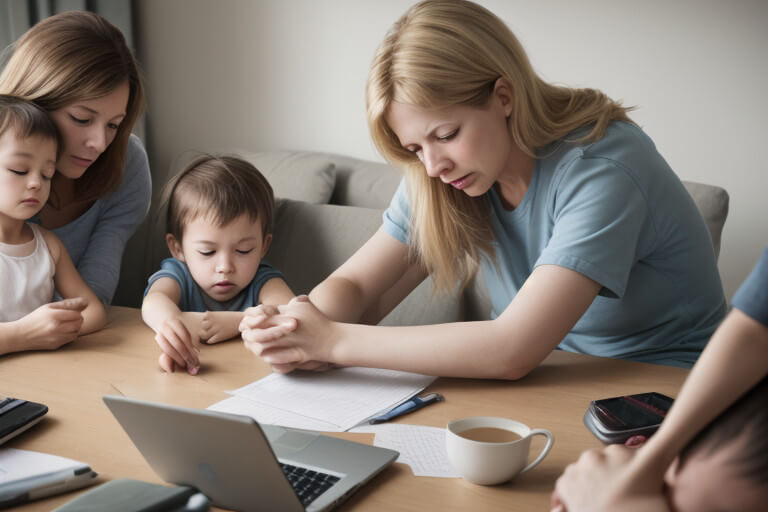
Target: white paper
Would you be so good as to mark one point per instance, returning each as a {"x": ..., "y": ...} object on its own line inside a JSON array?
[
  {"x": 19, "y": 464},
  {"x": 340, "y": 398},
  {"x": 237, "y": 405},
  {"x": 422, "y": 448}
]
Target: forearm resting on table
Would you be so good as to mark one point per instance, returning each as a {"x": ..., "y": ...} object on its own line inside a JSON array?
[
  {"x": 9, "y": 336},
  {"x": 484, "y": 349}
]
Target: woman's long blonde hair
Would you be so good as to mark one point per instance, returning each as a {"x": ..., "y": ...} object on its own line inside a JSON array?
[
  {"x": 76, "y": 56},
  {"x": 443, "y": 53}
]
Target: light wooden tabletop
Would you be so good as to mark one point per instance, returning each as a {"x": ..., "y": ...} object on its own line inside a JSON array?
[{"x": 121, "y": 359}]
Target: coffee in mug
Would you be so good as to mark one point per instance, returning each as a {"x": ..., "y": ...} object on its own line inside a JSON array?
[
  {"x": 490, "y": 435},
  {"x": 488, "y": 450}
]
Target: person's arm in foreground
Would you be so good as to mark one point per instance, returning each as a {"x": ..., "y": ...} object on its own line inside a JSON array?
[
  {"x": 733, "y": 362},
  {"x": 508, "y": 347},
  {"x": 176, "y": 339}
]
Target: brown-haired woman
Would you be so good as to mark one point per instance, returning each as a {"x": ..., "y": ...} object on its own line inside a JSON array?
[{"x": 77, "y": 66}]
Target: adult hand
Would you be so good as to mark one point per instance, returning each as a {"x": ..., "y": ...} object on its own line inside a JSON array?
[
  {"x": 267, "y": 321},
  {"x": 307, "y": 346},
  {"x": 605, "y": 480},
  {"x": 179, "y": 346},
  {"x": 51, "y": 325}
]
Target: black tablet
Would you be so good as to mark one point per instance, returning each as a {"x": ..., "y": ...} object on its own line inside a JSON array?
[{"x": 18, "y": 415}]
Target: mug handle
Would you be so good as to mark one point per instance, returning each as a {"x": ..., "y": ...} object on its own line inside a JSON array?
[{"x": 550, "y": 441}]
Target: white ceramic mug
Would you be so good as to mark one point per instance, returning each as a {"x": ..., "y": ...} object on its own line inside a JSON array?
[{"x": 489, "y": 463}]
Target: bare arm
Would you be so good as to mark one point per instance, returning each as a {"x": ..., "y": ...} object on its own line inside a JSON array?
[
  {"x": 370, "y": 283},
  {"x": 507, "y": 347},
  {"x": 735, "y": 359},
  {"x": 176, "y": 332},
  {"x": 70, "y": 285}
]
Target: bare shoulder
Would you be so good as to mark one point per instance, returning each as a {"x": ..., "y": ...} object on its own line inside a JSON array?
[{"x": 55, "y": 247}]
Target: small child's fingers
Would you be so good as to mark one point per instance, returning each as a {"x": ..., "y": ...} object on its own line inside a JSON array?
[
  {"x": 166, "y": 363},
  {"x": 169, "y": 350},
  {"x": 184, "y": 343}
]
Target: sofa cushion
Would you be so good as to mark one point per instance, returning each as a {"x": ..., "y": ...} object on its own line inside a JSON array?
[
  {"x": 712, "y": 201},
  {"x": 362, "y": 182},
  {"x": 311, "y": 241},
  {"x": 305, "y": 177}
]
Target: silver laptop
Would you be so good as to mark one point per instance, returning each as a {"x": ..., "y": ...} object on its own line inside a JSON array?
[{"x": 242, "y": 465}]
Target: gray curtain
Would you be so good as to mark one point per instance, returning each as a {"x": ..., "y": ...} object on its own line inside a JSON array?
[{"x": 16, "y": 16}]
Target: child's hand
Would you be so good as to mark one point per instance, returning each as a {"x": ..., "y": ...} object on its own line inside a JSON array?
[
  {"x": 217, "y": 326},
  {"x": 180, "y": 348},
  {"x": 52, "y": 325}
]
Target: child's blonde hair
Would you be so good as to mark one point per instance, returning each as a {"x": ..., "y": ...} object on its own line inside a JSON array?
[
  {"x": 442, "y": 53},
  {"x": 219, "y": 188}
]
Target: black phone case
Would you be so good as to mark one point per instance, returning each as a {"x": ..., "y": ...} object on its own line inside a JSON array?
[
  {"x": 611, "y": 436},
  {"x": 19, "y": 419}
]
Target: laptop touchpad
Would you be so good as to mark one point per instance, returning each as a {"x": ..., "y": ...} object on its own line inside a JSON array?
[{"x": 293, "y": 440}]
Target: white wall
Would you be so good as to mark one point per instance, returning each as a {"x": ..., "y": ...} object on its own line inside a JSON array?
[{"x": 290, "y": 74}]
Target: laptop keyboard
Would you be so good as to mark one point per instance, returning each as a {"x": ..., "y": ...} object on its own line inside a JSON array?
[{"x": 308, "y": 484}]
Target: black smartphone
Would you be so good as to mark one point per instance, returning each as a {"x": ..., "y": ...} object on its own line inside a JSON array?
[
  {"x": 17, "y": 415},
  {"x": 616, "y": 419}
]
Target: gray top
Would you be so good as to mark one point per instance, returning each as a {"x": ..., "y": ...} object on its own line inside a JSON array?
[
  {"x": 614, "y": 211},
  {"x": 96, "y": 240}
]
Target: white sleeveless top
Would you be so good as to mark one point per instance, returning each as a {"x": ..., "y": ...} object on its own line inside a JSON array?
[{"x": 26, "y": 278}]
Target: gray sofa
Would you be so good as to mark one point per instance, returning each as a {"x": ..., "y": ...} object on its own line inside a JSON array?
[{"x": 330, "y": 204}]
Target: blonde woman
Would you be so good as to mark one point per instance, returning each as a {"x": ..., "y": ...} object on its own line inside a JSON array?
[
  {"x": 77, "y": 66},
  {"x": 587, "y": 239}
]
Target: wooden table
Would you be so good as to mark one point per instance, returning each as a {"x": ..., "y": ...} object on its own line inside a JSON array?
[{"x": 121, "y": 359}]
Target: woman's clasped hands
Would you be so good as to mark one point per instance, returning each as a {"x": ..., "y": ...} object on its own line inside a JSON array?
[{"x": 294, "y": 336}]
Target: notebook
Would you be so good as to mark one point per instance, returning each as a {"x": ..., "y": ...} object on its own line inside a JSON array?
[{"x": 242, "y": 465}]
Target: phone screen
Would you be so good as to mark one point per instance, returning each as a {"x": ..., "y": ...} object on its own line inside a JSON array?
[{"x": 632, "y": 411}]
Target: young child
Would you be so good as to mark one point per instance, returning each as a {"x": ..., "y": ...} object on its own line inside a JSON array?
[
  {"x": 33, "y": 262},
  {"x": 219, "y": 226}
]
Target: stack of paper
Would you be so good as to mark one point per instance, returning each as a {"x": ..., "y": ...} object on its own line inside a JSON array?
[{"x": 332, "y": 401}]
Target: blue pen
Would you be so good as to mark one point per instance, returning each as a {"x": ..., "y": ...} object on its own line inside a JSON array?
[{"x": 415, "y": 403}]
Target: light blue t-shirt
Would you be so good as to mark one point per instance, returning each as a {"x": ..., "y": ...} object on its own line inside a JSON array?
[
  {"x": 752, "y": 296},
  {"x": 96, "y": 240},
  {"x": 194, "y": 299},
  {"x": 614, "y": 211}
]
